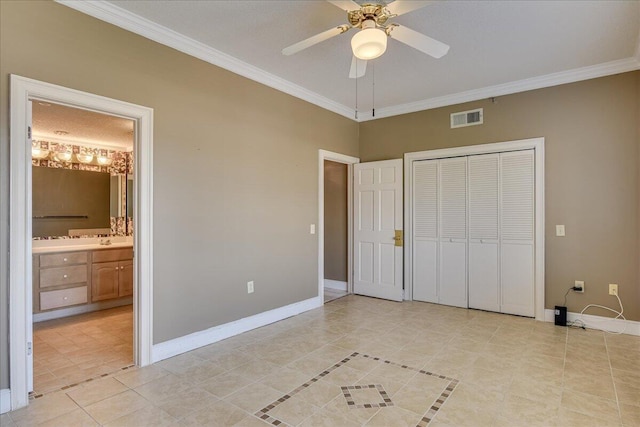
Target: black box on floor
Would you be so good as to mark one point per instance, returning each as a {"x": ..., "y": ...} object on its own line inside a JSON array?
[{"x": 561, "y": 315}]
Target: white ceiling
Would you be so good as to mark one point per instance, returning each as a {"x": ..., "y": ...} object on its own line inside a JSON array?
[
  {"x": 497, "y": 47},
  {"x": 82, "y": 127}
]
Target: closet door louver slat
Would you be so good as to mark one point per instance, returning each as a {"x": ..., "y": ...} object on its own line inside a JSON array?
[
  {"x": 453, "y": 198},
  {"x": 425, "y": 177},
  {"x": 518, "y": 195},
  {"x": 483, "y": 196}
]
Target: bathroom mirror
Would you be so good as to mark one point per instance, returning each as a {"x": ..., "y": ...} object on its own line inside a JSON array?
[{"x": 66, "y": 199}]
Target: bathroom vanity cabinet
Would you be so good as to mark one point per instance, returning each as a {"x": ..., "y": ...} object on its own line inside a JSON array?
[
  {"x": 111, "y": 274},
  {"x": 71, "y": 278}
]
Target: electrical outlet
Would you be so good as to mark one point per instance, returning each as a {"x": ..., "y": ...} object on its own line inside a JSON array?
[
  {"x": 613, "y": 289},
  {"x": 579, "y": 284},
  {"x": 250, "y": 287}
]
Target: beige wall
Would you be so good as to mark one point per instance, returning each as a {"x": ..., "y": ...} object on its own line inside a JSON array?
[
  {"x": 235, "y": 165},
  {"x": 592, "y": 165},
  {"x": 335, "y": 221}
]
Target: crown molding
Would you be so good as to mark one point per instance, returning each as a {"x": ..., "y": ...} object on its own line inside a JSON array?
[
  {"x": 131, "y": 22},
  {"x": 554, "y": 79},
  {"x": 122, "y": 18}
]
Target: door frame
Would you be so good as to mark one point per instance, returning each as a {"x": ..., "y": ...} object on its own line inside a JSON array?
[
  {"x": 349, "y": 161},
  {"x": 537, "y": 144},
  {"x": 20, "y": 247}
]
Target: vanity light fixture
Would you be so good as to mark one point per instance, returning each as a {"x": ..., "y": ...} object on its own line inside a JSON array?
[
  {"x": 39, "y": 153},
  {"x": 104, "y": 160},
  {"x": 63, "y": 156},
  {"x": 84, "y": 157}
]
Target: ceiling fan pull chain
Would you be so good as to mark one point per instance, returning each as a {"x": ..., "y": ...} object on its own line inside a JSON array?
[
  {"x": 356, "y": 79},
  {"x": 373, "y": 89}
]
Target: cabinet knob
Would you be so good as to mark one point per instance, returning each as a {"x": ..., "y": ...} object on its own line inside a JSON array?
[
  {"x": 65, "y": 298},
  {"x": 64, "y": 259},
  {"x": 65, "y": 276}
]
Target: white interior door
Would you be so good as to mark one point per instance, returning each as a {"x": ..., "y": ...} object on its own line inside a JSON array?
[{"x": 377, "y": 211}]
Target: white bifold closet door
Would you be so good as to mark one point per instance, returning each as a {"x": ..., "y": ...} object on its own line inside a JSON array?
[
  {"x": 425, "y": 231},
  {"x": 484, "y": 269},
  {"x": 453, "y": 232},
  {"x": 517, "y": 216},
  {"x": 473, "y": 231},
  {"x": 440, "y": 231}
]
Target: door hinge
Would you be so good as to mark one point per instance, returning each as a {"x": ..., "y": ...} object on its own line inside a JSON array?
[
  {"x": 28, "y": 132},
  {"x": 29, "y": 348}
]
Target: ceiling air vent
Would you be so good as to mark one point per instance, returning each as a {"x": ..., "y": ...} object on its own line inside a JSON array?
[{"x": 466, "y": 118}]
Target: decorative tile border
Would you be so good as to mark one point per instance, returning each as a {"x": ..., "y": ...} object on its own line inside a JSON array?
[
  {"x": 263, "y": 414},
  {"x": 346, "y": 392},
  {"x": 33, "y": 395}
]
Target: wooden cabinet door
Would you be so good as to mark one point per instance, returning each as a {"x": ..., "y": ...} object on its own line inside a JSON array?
[
  {"x": 104, "y": 281},
  {"x": 126, "y": 278}
]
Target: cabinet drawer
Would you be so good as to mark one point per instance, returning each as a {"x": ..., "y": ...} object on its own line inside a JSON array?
[
  {"x": 63, "y": 275},
  {"x": 66, "y": 258},
  {"x": 63, "y": 298},
  {"x": 108, "y": 255}
]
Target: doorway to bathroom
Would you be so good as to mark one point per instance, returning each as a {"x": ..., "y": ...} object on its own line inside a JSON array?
[
  {"x": 82, "y": 193},
  {"x": 104, "y": 275}
]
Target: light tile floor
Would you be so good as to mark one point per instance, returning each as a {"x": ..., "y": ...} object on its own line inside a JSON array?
[
  {"x": 463, "y": 367},
  {"x": 73, "y": 349}
]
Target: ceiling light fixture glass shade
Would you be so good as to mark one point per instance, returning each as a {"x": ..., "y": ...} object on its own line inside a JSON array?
[
  {"x": 369, "y": 43},
  {"x": 84, "y": 157},
  {"x": 39, "y": 153}
]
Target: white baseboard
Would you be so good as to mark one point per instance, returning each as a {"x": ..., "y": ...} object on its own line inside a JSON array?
[
  {"x": 81, "y": 309},
  {"x": 335, "y": 284},
  {"x": 5, "y": 400},
  {"x": 199, "y": 339},
  {"x": 629, "y": 327}
]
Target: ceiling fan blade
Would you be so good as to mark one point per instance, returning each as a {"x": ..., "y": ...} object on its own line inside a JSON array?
[
  {"x": 358, "y": 68},
  {"x": 325, "y": 35},
  {"x": 400, "y": 7},
  {"x": 345, "y": 5},
  {"x": 419, "y": 41}
]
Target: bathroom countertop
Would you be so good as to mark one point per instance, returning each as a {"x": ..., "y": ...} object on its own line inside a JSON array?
[{"x": 69, "y": 245}]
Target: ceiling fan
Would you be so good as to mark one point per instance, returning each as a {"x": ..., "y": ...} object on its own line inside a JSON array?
[{"x": 371, "y": 18}]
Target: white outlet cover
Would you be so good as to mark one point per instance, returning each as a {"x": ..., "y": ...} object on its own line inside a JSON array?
[
  {"x": 560, "y": 230},
  {"x": 312, "y": 229}
]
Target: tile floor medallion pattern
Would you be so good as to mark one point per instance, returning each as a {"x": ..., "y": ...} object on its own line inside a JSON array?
[
  {"x": 510, "y": 372},
  {"x": 356, "y": 396}
]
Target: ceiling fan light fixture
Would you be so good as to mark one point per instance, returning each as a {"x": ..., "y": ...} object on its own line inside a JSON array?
[{"x": 369, "y": 43}]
